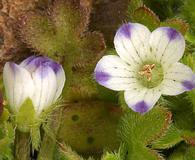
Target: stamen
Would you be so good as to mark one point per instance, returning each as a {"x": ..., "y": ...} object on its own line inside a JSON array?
[{"x": 147, "y": 71}]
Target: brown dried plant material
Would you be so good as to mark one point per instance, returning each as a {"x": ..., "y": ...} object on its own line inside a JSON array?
[
  {"x": 9, "y": 45},
  {"x": 15, "y": 7},
  {"x": 11, "y": 48},
  {"x": 1, "y": 103},
  {"x": 107, "y": 16}
]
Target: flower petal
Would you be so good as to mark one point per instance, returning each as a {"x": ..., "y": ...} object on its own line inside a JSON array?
[
  {"x": 142, "y": 99},
  {"x": 34, "y": 62},
  {"x": 114, "y": 74},
  {"x": 178, "y": 79},
  {"x": 167, "y": 45},
  {"x": 61, "y": 78},
  {"x": 28, "y": 60},
  {"x": 45, "y": 87},
  {"x": 18, "y": 84},
  {"x": 132, "y": 42}
]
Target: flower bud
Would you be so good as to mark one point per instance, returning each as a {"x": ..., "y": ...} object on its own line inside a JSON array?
[{"x": 39, "y": 79}]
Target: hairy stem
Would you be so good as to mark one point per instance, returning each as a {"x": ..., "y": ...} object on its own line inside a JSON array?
[
  {"x": 49, "y": 140},
  {"x": 22, "y": 146}
]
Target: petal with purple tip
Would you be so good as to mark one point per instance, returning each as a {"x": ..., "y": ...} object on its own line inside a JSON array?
[
  {"x": 28, "y": 60},
  {"x": 167, "y": 45},
  {"x": 101, "y": 76},
  {"x": 131, "y": 42},
  {"x": 177, "y": 79},
  {"x": 61, "y": 78},
  {"x": 113, "y": 73},
  {"x": 45, "y": 87},
  {"x": 54, "y": 65},
  {"x": 34, "y": 62},
  {"x": 141, "y": 107},
  {"x": 141, "y": 99},
  {"x": 18, "y": 84},
  {"x": 189, "y": 85}
]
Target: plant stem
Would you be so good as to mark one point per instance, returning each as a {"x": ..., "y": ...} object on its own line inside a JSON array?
[
  {"x": 22, "y": 146},
  {"x": 49, "y": 142}
]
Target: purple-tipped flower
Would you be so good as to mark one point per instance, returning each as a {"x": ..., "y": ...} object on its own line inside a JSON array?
[
  {"x": 39, "y": 78},
  {"x": 147, "y": 66}
]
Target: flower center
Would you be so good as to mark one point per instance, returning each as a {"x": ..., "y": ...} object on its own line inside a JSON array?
[{"x": 150, "y": 74}]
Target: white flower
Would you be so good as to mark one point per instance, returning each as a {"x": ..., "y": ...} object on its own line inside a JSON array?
[
  {"x": 147, "y": 66},
  {"x": 38, "y": 78}
]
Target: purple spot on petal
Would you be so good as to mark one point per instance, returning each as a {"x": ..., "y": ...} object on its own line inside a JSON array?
[
  {"x": 188, "y": 85},
  {"x": 101, "y": 76},
  {"x": 172, "y": 33},
  {"x": 125, "y": 30},
  {"x": 141, "y": 107}
]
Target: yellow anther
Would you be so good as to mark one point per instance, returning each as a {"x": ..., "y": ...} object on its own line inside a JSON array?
[{"x": 147, "y": 71}]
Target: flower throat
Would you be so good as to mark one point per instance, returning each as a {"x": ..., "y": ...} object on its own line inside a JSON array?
[{"x": 150, "y": 74}]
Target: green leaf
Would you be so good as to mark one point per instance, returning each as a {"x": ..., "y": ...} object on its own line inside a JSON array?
[
  {"x": 182, "y": 109},
  {"x": 146, "y": 17},
  {"x": 179, "y": 24},
  {"x": 5, "y": 115},
  {"x": 7, "y": 135},
  {"x": 146, "y": 153},
  {"x": 164, "y": 8},
  {"x": 188, "y": 12},
  {"x": 138, "y": 131},
  {"x": 145, "y": 128},
  {"x": 94, "y": 123},
  {"x": 170, "y": 138},
  {"x": 39, "y": 32},
  {"x": 190, "y": 37},
  {"x": 133, "y": 5},
  {"x": 57, "y": 30},
  {"x": 183, "y": 152}
]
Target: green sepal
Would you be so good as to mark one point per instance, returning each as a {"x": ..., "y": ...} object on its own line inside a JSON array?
[
  {"x": 110, "y": 156},
  {"x": 26, "y": 117},
  {"x": 120, "y": 155},
  {"x": 35, "y": 137},
  {"x": 65, "y": 152}
]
